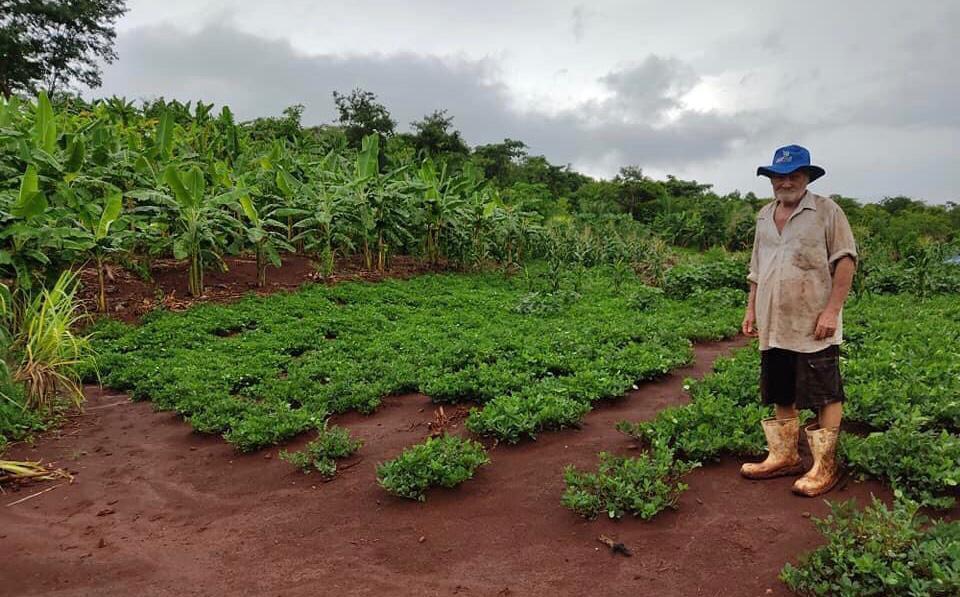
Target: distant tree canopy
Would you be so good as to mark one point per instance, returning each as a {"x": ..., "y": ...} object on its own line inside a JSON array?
[
  {"x": 497, "y": 159},
  {"x": 361, "y": 115},
  {"x": 53, "y": 44},
  {"x": 435, "y": 136}
]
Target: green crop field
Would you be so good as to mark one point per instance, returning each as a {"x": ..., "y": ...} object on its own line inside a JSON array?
[
  {"x": 548, "y": 292},
  {"x": 265, "y": 369}
]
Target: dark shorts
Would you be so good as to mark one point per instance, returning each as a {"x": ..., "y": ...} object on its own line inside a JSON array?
[{"x": 809, "y": 380}]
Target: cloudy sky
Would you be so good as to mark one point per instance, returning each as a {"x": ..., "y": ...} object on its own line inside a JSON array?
[{"x": 700, "y": 89}]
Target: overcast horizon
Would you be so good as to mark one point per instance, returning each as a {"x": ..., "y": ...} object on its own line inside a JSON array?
[{"x": 701, "y": 90}]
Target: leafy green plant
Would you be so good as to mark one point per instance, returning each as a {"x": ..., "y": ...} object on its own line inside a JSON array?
[
  {"x": 443, "y": 461},
  {"x": 51, "y": 350},
  {"x": 706, "y": 428},
  {"x": 685, "y": 280},
  {"x": 17, "y": 422},
  {"x": 646, "y": 297},
  {"x": 322, "y": 453},
  {"x": 262, "y": 234},
  {"x": 264, "y": 369},
  {"x": 516, "y": 416},
  {"x": 546, "y": 303},
  {"x": 642, "y": 486},
  {"x": 200, "y": 223},
  {"x": 879, "y": 551},
  {"x": 98, "y": 240},
  {"x": 923, "y": 465}
]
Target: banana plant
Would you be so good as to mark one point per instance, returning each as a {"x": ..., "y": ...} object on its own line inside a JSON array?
[
  {"x": 290, "y": 189},
  {"x": 382, "y": 202},
  {"x": 477, "y": 224},
  {"x": 515, "y": 230},
  {"x": 443, "y": 205},
  {"x": 98, "y": 238},
  {"x": 328, "y": 218},
  {"x": 23, "y": 238},
  {"x": 262, "y": 234},
  {"x": 200, "y": 222}
]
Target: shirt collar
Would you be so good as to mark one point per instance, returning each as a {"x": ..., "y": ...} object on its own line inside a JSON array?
[{"x": 806, "y": 202}]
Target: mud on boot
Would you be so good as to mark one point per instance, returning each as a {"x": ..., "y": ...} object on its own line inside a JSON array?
[
  {"x": 782, "y": 456},
  {"x": 826, "y": 470}
]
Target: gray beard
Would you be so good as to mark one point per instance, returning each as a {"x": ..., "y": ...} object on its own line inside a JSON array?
[{"x": 789, "y": 197}]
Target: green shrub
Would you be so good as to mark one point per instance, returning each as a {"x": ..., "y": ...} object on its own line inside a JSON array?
[
  {"x": 514, "y": 417},
  {"x": 322, "y": 453},
  {"x": 723, "y": 416},
  {"x": 438, "y": 462},
  {"x": 544, "y": 303},
  {"x": 685, "y": 280},
  {"x": 268, "y": 424},
  {"x": 646, "y": 297},
  {"x": 879, "y": 552},
  {"x": 642, "y": 486}
]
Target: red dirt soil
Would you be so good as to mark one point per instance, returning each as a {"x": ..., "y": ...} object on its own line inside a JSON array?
[
  {"x": 129, "y": 297},
  {"x": 156, "y": 509}
]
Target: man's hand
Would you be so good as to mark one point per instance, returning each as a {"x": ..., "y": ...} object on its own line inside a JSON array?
[
  {"x": 826, "y": 324},
  {"x": 749, "y": 325}
]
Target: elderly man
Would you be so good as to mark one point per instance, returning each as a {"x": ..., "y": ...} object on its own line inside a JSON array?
[{"x": 801, "y": 270}]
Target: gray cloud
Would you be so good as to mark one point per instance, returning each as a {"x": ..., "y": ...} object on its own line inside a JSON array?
[
  {"x": 258, "y": 77},
  {"x": 646, "y": 90}
]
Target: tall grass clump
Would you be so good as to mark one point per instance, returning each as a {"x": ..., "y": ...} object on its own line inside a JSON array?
[{"x": 47, "y": 348}]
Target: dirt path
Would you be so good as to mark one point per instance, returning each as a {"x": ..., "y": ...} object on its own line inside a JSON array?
[{"x": 158, "y": 510}]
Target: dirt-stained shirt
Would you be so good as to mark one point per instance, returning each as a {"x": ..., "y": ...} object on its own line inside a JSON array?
[{"x": 793, "y": 271}]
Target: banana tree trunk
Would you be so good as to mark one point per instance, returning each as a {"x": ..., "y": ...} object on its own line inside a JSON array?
[
  {"x": 102, "y": 294},
  {"x": 326, "y": 259},
  {"x": 196, "y": 275},
  {"x": 261, "y": 267},
  {"x": 381, "y": 253}
]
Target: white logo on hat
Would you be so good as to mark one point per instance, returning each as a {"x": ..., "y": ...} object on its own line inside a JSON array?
[{"x": 784, "y": 157}]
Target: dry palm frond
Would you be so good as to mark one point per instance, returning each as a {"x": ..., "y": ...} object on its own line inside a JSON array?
[{"x": 11, "y": 470}]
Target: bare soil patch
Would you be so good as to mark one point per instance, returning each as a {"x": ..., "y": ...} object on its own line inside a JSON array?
[
  {"x": 129, "y": 297},
  {"x": 156, "y": 509}
]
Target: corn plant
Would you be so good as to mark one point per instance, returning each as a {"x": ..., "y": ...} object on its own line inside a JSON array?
[
  {"x": 6, "y": 335},
  {"x": 922, "y": 265}
]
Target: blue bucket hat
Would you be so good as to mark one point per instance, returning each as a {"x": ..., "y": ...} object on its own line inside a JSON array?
[{"x": 791, "y": 158}]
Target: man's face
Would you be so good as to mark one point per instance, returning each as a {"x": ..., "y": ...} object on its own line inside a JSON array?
[{"x": 789, "y": 188}]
